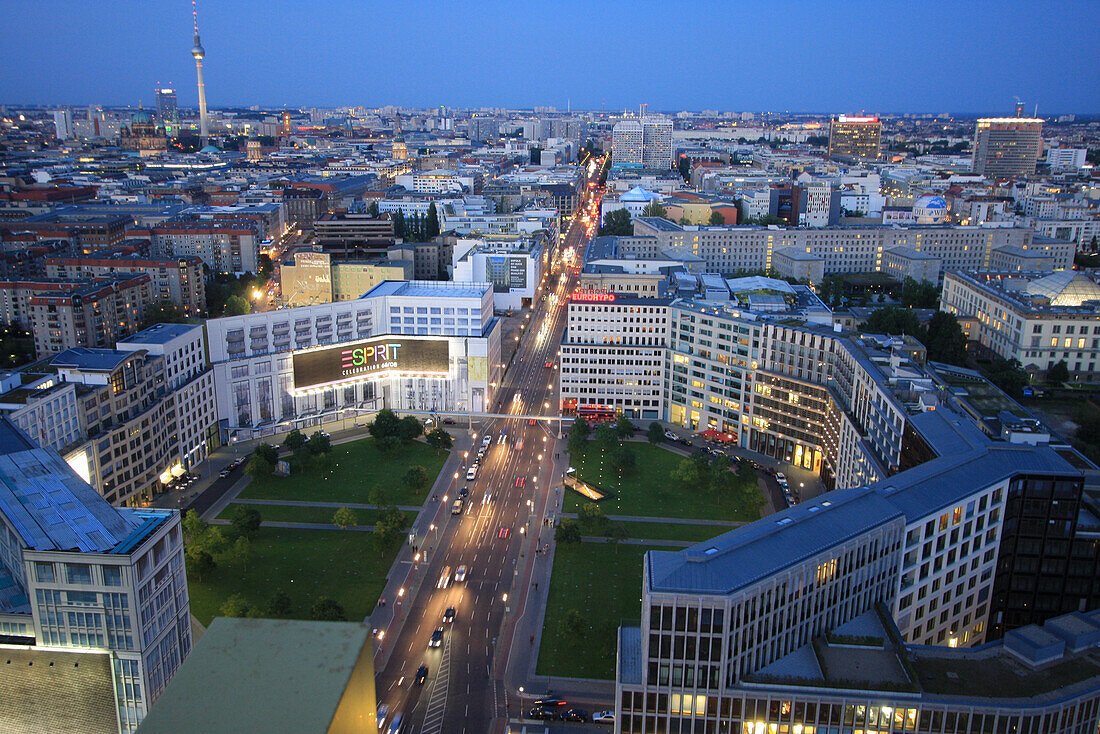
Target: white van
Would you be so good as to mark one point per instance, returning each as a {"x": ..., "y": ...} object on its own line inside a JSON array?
[{"x": 471, "y": 473}]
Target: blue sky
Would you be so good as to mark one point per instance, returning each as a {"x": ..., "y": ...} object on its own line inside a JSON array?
[{"x": 838, "y": 56}]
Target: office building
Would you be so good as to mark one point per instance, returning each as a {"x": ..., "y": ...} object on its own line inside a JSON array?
[
  {"x": 314, "y": 277},
  {"x": 225, "y": 247},
  {"x": 855, "y": 137},
  {"x": 514, "y": 265},
  {"x": 1037, "y": 319},
  {"x": 1005, "y": 147},
  {"x": 353, "y": 234},
  {"x": 85, "y": 584},
  {"x": 178, "y": 281},
  {"x": 438, "y": 181},
  {"x": 43, "y": 407},
  {"x": 413, "y": 346},
  {"x": 250, "y": 673},
  {"x": 167, "y": 111},
  {"x": 63, "y": 124},
  {"x": 1066, "y": 159}
]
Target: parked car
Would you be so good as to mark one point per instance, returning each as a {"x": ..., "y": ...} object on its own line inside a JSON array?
[
  {"x": 546, "y": 713},
  {"x": 686, "y": 442},
  {"x": 603, "y": 717},
  {"x": 670, "y": 435},
  {"x": 574, "y": 715},
  {"x": 781, "y": 477}
]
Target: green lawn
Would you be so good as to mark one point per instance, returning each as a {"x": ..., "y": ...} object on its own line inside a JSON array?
[
  {"x": 603, "y": 583},
  {"x": 307, "y": 565},
  {"x": 672, "y": 531},
  {"x": 290, "y": 513},
  {"x": 650, "y": 491},
  {"x": 350, "y": 472}
]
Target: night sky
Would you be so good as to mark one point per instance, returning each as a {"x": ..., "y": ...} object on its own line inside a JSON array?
[{"x": 835, "y": 56}]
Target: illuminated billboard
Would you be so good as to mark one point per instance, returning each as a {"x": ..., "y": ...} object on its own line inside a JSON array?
[{"x": 362, "y": 360}]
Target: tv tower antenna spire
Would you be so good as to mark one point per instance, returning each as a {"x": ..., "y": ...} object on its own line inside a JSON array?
[{"x": 199, "y": 53}]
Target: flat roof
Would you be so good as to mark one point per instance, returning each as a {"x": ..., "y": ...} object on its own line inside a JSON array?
[
  {"x": 428, "y": 289},
  {"x": 272, "y": 675},
  {"x": 160, "y": 333},
  {"x": 95, "y": 360},
  {"x": 62, "y": 691}
]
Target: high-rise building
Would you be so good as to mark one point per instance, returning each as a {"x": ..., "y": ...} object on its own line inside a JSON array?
[
  {"x": 642, "y": 143},
  {"x": 855, "y": 137},
  {"x": 63, "y": 124},
  {"x": 167, "y": 110},
  {"x": 82, "y": 576},
  {"x": 1007, "y": 146}
]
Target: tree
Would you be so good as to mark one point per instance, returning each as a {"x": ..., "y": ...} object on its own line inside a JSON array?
[
  {"x": 919, "y": 294},
  {"x": 683, "y": 166},
  {"x": 389, "y": 444},
  {"x": 327, "y": 610},
  {"x": 194, "y": 527},
  {"x": 655, "y": 434},
  {"x": 320, "y": 444},
  {"x": 592, "y": 519},
  {"x": 163, "y": 312},
  {"x": 268, "y": 452},
  {"x": 236, "y": 606},
  {"x": 415, "y": 479},
  {"x": 377, "y": 497},
  {"x": 623, "y": 427},
  {"x": 432, "y": 223},
  {"x": 685, "y": 221},
  {"x": 945, "y": 339},
  {"x": 237, "y": 306},
  {"x": 439, "y": 439},
  {"x": 245, "y": 522},
  {"x": 258, "y": 467},
  {"x": 617, "y": 533},
  {"x": 1008, "y": 375},
  {"x": 687, "y": 472},
  {"x": 567, "y": 531},
  {"x": 344, "y": 518},
  {"x": 390, "y": 526},
  {"x": 894, "y": 320},
  {"x": 409, "y": 428},
  {"x": 1059, "y": 373},
  {"x": 654, "y": 209},
  {"x": 279, "y": 606},
  {"x": 578, "y": 436},
  {"x": 716, "y": 218},
  {"x": 373, "y": 209},
  {"x": 399, "y": 224},
  {"x": 573, "y": 626},
  {"x": 617, "y": 224},
  {"x": 240, "y": 551},
  {"x": 294, "y": 440},
  {"x": 606, "y": 436},
  {"x": 621, "y": 460},
  {"x": 719, "y": 476},
  {"x": 199, "y": 560},
  {"x": 384, "y": 424}
]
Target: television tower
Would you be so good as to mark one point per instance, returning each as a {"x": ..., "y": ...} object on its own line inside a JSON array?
[{"x": 199, "y": 53}]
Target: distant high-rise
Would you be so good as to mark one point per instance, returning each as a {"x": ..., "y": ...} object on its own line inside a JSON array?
[
  {"x": 285, "y": 127},
  {"x": 1007, "y": 146},
  {"x": 642, "y": 143},
  {"x": 167, "y": 110},
  {"x": 855, "y": 137},
  {"x": 199, "y": 53},
  {"x": 63, "y": 124}
]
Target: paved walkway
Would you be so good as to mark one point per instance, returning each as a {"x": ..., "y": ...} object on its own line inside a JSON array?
[
  {"x": 641, "y": 541},
  {"x": 668, "y": 520},
  {"x": 302, "y": 525},
  {"x": 311, "y": 503}
]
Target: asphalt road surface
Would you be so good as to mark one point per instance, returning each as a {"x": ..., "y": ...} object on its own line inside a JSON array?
[{"x": 500, "y": 524}]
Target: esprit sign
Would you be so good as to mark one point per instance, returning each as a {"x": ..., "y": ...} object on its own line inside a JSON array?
[{"x": 316, "y": 368}]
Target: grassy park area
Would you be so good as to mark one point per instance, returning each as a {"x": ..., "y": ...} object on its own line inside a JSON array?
[
  {"x": 594, "y": 587},
  {"x": 306, "y": 565},
  {"x": 349, "y": 567},
  {"x": 650, "y": 490}
]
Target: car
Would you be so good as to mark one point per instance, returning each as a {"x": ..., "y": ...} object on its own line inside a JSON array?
[
  {"x": 471, "y": 473},
  {"x": 670, "y": 436},
  {"x": 449, "y": 615},
  {"x": 462, "y": 492},
  {"x": 421, "y": 675},
  {"x": 531, "y": 421},
  {"x": 686, "y": 442},
  {"x": 790, "y": 500},
  {"x": 603, "y": 717},
  {"x": 504, "y": 533},
  {"x": 223, "y": 473},
  {"x": 549, "y": 365},
  {"x": 460, "y": 574},
  {"x": 520, "y": 481},
  {"x": 448, "y": 421},
  {"x": 574, "y": 715},
  {"x": 781, "y": 477},
  {"x": 542, "y": 712},
  {"x": 383, "y": 712},
  {"x": 437, "y": 638},
  {"x": 549, "y": 701}
]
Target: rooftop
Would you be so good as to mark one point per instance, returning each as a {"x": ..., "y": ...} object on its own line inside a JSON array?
[
  {"x": 160, "y": 334},
  {"x": 269, "y": 675},
  {"x": 91, "y": 359},
  {"x": 428, "y": 289},
  {"x": 81, "y": 690}
]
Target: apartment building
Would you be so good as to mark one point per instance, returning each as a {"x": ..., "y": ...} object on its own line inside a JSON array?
[
  {"x": 1037, "y": 319},
  {"x": 226, "y": 247},
  {"x": 89, "y": 313},
  {"x": 421, "y": 345},
  {"x": 83, "y": 577},
  {"x": 178, "y": 281},
  {"x": 842, "y": 249},
  {"x": 43, "y": 407}
]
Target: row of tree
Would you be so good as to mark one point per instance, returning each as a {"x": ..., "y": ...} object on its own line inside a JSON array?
[
  {"x": 391, "y": 432},
  {"x": 303, "y": 451},
  {"x": 942, "y": 337},
  {"x": 416, "y": 228}
]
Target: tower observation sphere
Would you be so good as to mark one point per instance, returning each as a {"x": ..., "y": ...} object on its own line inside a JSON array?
[{"x": 198, "y": 52}]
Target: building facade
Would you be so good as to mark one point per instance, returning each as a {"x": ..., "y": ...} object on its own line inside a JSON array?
[
  {"x": 178, "y": 281},
  {"x": 224, "y": 247},
  {"x": 1005, "y": 147},
  {"x": 855, "y": 137}
]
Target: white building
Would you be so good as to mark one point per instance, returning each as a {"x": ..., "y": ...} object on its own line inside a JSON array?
[
  {"x": 412, "y": 345},
  {"x": 1066, "y": 158},
  {"x": 513, "y": 265},
  {"x": 63, "y": 124},
  {"x": 437, "y": 181},
  {"x": 634, "y": 201},
  {"x": 626, "y": 143},
  {"x": 642, "y": 143},
  {"x": 80, "y": 574}
]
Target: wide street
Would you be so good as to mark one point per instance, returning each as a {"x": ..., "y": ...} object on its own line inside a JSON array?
[{"x": 495, "y": 537}]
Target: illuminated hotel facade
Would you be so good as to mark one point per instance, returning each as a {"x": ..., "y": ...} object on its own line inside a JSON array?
[
  {"x": 426, "y": 346},
  {"x": 855, "y": 137}
]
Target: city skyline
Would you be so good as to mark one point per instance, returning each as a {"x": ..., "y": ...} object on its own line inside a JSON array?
[{"x": 806, "y": 60}]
